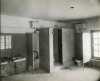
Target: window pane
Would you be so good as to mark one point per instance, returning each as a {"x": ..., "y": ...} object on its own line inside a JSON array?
[
  {"x": 96, "y": 41},
  {"x": 96, "y": 54},
  {"x": 1, "y": 38},
  {"x": 96, "y": 34}
]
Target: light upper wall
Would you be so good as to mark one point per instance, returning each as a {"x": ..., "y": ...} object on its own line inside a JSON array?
[
  {"x": 51, "y": 9},
  {"x": 88, "y": 25},
  {"x": 15, "y": 24}
]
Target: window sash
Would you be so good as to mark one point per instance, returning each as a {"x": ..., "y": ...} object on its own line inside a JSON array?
[
  {"x": 96, "y": 44},
  {"x": 5, "y": 41}
]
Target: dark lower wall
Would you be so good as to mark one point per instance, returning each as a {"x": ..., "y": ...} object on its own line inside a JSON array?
[
  {"x": 29, "y": 52},
  {"x": 97, "y": 63},
  {"x": 18, "y": 47}
]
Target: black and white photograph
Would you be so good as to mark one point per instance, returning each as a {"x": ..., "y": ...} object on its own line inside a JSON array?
[{"x": 49, "y": 40}]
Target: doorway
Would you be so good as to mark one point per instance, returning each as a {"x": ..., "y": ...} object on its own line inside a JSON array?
[{"x": 58, "y": 58}]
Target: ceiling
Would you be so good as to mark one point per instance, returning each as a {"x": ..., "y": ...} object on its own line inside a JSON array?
[{"x": 51, "y": 9}]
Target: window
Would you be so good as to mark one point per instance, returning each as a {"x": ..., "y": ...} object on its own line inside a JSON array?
[
  {"x": 91, "y": 45},
  {"x": 5, "y": 41},
  {"x": 96, "y": 44}
]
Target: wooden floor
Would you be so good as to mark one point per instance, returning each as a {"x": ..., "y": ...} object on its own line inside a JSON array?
[{"x": 74, "y": 74}]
